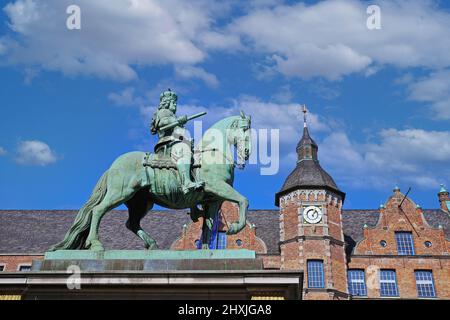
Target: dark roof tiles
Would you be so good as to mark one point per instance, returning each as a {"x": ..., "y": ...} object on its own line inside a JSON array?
[
  {"x": 308, "y": 173},
  {"x": 34, "y": 231}
]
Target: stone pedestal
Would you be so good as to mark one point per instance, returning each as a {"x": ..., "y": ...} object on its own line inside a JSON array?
[
  {"x": 183, "y": 275},
  {"x": 149, "y": 260}
]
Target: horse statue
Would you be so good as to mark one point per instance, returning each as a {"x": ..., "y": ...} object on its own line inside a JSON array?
[{"x": 139, "y": 180}]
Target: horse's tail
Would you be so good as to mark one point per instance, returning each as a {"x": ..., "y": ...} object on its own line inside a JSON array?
[{"x": 76, "y": 236}]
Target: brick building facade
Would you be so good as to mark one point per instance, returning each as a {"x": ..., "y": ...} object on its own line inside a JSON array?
[{"x": 396, "y": 251}]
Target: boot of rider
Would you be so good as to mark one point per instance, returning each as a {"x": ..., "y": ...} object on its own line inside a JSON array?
[{"x": 187, "y": 184}]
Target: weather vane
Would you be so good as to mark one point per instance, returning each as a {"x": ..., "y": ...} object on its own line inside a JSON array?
[{"x": 305, "y": 111}]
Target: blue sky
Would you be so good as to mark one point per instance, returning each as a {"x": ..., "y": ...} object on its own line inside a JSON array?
[{"x": 74, "y": 100}]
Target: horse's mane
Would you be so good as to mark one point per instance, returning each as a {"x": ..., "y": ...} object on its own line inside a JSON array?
[{"x": 220, "y": 125}]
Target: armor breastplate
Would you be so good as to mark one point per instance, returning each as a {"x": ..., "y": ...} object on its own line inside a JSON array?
[{"x": 162, "y": 118}]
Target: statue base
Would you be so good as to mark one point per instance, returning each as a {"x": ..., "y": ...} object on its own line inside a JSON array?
[{"x": 149, "y": 260}]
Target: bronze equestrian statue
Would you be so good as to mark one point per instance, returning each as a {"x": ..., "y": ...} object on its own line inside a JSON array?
[{"x": 173, "y": 177}]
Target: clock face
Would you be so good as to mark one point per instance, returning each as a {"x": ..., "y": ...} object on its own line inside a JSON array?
[{"x": 312, "y": 214}]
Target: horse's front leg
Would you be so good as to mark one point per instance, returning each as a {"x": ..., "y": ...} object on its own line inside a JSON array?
[{"x": 227, "y": 193}]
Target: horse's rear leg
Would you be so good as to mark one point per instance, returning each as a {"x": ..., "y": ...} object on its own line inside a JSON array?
[{"x": 138, "y": 207}]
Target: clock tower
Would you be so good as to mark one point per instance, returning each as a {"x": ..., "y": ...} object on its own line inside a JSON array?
[{"x": 311, "y": 235}]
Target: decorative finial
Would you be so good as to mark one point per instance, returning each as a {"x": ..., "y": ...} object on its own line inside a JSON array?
[
  {"x": 396, "y": 189},
  {"x": 305, "y": 111},
  {"x": 443, "y": 190},
  {"x": 418, "y": 206},
  {"x": 381, "y": 206}
]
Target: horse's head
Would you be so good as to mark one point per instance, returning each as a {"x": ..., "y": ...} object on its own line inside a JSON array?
[{"x": 240, "y": 137}]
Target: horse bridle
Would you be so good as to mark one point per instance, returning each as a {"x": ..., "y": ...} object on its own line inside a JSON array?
[{"x": 239, "y": 123}]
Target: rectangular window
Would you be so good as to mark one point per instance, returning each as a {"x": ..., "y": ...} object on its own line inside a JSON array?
[
  {"x": 405, "y": 243},
  {"x": 316, "y": 277},
  {"x": 357, "y": 282},
  {"x": 222, "y": 240},
  {"x": 2, "y": 267},
  {"x": 425, "y": 284},
  {"x": 388, "y": 283},
  {"x": 25, "y": 268}
]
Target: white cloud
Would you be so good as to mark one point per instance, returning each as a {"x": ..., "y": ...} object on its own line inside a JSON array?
[
  {"x": 286, "y": 117},
  {"x": 327, "y": 39},
  {"x": 2, "y": 151},
  {"x": 412, "y": 157},
  {"x": 190, "y": 72},
  {"x": 434, "y": 89},
  {"x": 330, "y": 39},
  {"x": 34, "y": 152},
  {"x": 125, "y": 98},
  {"x": 114, "y": 36},
  {"x": 213, "y": 40}
]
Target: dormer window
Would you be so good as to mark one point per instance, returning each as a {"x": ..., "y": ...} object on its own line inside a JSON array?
[{"x": 405, "y": 243}]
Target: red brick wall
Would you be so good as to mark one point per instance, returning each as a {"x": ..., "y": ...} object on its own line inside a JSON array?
[
  {"x": 271, "y": 261},
  {"x": 230, "y": 213},
  {"x": 404, "y": 268},
  {"x": 371, "y": 256},
  {"x": 407, "y": 218},
  {"x": 12, "y": 262},
  {"x": 323, "y": 241}
]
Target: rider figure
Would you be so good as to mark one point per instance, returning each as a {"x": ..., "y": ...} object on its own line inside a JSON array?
[{"x": 175, "y": 139}]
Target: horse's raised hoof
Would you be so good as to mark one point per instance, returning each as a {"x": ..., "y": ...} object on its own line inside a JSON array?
[{"x": 95, "y": 245}]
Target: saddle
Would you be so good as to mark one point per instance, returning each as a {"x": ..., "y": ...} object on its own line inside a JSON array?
[
  {"x": 162, "y": 170},
  {"x": 162, "y": 161},
  {"x": 161, "y": 158}
]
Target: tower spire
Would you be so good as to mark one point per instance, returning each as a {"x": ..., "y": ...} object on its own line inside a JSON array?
[
  {"x": 307, "y": 173},
  {"x": 306, "y": 148}
]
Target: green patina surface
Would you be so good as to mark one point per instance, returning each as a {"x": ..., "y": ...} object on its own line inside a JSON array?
[
  {"x": 167, "y": 178},
  {"x": 149, "y": 254}
]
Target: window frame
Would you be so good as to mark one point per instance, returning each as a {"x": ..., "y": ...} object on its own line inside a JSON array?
[
  {"x": 402, "y": 244},
  {"x": 221, "y": 239},
  {"x": 350, "y": 283},
  {"x": 20, "y": 265},
  {"x": 431, "y": 281},
  {"x": 312, "y": 280},
  {"x": 387, "y": 282},
  {"x": 3, "y": 265}
]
